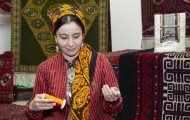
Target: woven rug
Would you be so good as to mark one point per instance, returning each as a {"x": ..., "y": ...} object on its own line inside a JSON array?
[
  {"x": 155, "y": 86},
  {"x": 176, "y": 87},
  {"x": 126, "y": 83},
  {"x": 151, "y": 7},
  {"x": 148, "y": 83},
  {"x": 6, "y": 77},
  {"x": 12, "y": 112},
  {"x": 114, "y": 57},
  {"x": 32, "y": 41}
]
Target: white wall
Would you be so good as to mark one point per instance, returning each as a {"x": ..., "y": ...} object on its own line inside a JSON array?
[
  {"x": 5, "y": 38},
  {"x": 126, "y": 24}
]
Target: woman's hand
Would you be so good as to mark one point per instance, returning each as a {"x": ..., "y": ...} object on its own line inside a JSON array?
[
  {"x": 111, "y": 94},
  {"x": 38, "y": 103}
]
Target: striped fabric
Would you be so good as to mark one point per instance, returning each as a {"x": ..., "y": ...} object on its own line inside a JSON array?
[{"x": 51, "y": 79}]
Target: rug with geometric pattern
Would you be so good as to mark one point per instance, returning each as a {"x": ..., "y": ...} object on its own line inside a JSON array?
[
  {"x": 151, "y": 7},
  {"x": 6, "y": 77},
  {"x": 155, "y": 86}
]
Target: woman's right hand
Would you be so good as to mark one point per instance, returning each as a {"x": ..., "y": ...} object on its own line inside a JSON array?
[{"x": 39, "y": 104}]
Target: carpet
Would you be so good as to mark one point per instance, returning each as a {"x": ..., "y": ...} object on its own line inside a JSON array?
[
  {"x": 151, "y": 7},
  {"x": 126, "y": 83},
  {"x": 148, "y": 83},
  {"x": 155, "y": 86},
  {"x": 32, "y": 41},
  {"x": 114, "y": 57},
  {"x": 176, "y": 87},
  {"x": 6, "y": 77},
  {"x": 12, "y": 112}
]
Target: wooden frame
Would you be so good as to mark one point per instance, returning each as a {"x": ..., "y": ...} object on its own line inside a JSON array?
[{"x": 169, "y": 29}]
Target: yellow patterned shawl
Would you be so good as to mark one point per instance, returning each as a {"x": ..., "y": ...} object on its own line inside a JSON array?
[{"x": 81, "y": 86}]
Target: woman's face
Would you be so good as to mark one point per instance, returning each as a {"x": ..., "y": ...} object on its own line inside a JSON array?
[{"x": 69, "y": 39}]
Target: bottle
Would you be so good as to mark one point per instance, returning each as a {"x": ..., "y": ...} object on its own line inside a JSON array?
[{"x": 59, "y": 102}]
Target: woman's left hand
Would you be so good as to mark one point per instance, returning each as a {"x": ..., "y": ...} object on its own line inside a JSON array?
[{"x": 110, "y": 94}]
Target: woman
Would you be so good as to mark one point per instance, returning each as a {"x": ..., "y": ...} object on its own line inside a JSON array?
[{"x": 76, "y": 73}]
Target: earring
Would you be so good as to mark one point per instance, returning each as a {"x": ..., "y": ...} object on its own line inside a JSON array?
[
  {"x": 57, "y": 48},
  {"x": 82, "y": 44}
]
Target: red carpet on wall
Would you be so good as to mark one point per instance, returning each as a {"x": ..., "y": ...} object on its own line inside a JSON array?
[
  {"x": 6, "y": 77},
  {"x": 151, "y": 7}
]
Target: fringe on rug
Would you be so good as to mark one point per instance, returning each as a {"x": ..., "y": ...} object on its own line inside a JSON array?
[
  {"x": 24, "y": 79},
  {"x": 148, "y": 42}
]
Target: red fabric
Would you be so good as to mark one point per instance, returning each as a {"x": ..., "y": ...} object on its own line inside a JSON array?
[
  {"x": 6, "y": 77},
  {"x": 151, "y": 7},
  {"x": 5, "y": 6},
  {"x": 12, "y": 112},
  {"x": 148, "y": 80},
  {"x": 51, "y": 79},
  {"x": 113, "y": 58}
]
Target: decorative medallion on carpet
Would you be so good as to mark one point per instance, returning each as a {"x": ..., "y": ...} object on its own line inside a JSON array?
[
  {"x": 151, "y": 7},
  {"x": 32, "y": 41}
]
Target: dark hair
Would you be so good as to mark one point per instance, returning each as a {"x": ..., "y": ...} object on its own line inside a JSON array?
[{"x": 66, "y": 19}]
